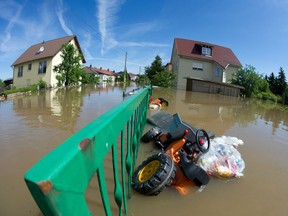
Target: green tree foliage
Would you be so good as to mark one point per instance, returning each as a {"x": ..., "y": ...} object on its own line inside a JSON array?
[
  {"x": 42, "y": 84},
  {"x": 272, "y": 83},
  {"x": 164, "y": 78},
  {"x": 253, "y": 82},
  {"x": 155, "y": 67},
  {"x": 69, "y": 71},
  {"x": 158, "y": 76},
  {"x": 281, "y": 82},
  {"x": 285, "y": 96},
  {"x": 278, "y": 84},
  {"x": 88, "y": 78},
  {"x": 142, "y": 80},
  {"x": 2, "y": 84},
  {"x": 124, "y": 77}
]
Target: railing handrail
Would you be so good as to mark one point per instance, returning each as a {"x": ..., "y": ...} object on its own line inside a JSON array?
[{"x": 59, "y": 180}]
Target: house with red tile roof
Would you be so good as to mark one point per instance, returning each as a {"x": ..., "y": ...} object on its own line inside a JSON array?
[
  {"x": 133, "y": 76},
  {"x": 202, "y": 61},
  {"x": 38, "y": 61},
  {"x": 104, "y": 75}
]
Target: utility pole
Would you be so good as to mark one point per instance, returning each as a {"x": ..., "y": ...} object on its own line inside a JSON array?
[{"x": 125, "y": 68}]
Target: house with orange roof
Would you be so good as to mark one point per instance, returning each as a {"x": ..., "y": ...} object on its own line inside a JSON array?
[
  {"x": 202, "y": 61},
  {"x": 104, "y": 75},
  {"x": 38, "y": 61}
]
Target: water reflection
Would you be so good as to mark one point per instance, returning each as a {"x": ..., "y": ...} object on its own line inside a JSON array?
[
  {"x": 219, "y": 113},
  {"x": 61, "y": 108}
]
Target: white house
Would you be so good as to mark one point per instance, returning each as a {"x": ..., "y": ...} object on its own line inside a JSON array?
[{"x": 38, "y": 61}]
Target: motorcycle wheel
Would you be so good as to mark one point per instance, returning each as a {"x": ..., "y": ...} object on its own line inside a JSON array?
[{"x": 154, "y": 174}]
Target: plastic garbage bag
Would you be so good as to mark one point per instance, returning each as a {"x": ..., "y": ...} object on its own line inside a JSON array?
[{"x": 223, "y": 159}]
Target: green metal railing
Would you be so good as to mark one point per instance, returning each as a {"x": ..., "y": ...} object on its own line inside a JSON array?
[{"x": 58, "y": 181}]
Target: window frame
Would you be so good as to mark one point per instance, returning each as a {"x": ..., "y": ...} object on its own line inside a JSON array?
[
  {"x": 20, "y": 71},
  {"x": 30, "y": 67},
  {"x": 42, "y": 67},
  {"x": 206, "y": 51},
  {"x": 218, "y": 72},
  {"x": 197, "y": 66}
]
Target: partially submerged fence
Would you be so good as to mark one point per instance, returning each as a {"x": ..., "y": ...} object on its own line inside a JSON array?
[{"x": 58, "y": 182}]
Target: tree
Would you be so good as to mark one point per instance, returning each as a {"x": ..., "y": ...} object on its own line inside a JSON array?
[
  {"x": 164, "y": 78},
  {"x": 272, "y": 83},
  {"x": 69, "y": 71},
  {"x": 124, "y": 77},
  {"x": 89, "y": 78},
  {"x": 281, "y": 82},
  {"x": 158, "y": 76},
  {"x": 2, "y": 84},
  {"x": 142, "y": 80},
  {"x": 250, "y": 80},
  {"x": 155, "y": 67}
]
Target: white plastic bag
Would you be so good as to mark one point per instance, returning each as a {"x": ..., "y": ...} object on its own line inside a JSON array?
[{"x": 223, "y": 159}]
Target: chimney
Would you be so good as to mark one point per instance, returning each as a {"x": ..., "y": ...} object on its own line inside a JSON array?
[
  {"x": 100, "y": 68},
  {"x": 90, "y": 66},
  {"x": 108, "y": 69}
]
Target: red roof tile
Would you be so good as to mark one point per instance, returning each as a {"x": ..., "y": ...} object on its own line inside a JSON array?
[
  {"x": 192, "y": 49},
  {"x": 99, "y": 71},
  {"x": 106, "y": 72},
  {"x": 50, "y": 49}
]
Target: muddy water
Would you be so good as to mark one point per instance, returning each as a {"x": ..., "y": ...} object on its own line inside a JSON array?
[{"x": 32, "y": 126}]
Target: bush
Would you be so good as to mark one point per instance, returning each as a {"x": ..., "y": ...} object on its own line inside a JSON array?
[
  {"x": 268, "y": 96},
  {"x": 32, "y": 88},
  {"x": 164, "y": 79},
  {"x": 42, "y": 84}
]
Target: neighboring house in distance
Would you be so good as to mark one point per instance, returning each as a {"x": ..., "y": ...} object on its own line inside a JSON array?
[
  {"x": 133, "y": 77},
  {"x": 38, "y": 61},
  {"x": 104, "y": 75},
  {"x": 202, "y": 61}
]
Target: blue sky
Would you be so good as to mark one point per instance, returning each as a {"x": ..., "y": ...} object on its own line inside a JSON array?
[{"x": 256, "y": 31}]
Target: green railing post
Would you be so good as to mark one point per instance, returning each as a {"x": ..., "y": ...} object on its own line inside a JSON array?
[{"x": 59, "y": 180}]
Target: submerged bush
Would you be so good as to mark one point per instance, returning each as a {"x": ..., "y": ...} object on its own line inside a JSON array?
[
  {"x": 268, "y": 96},
  {"x": 32, "y": 88}
]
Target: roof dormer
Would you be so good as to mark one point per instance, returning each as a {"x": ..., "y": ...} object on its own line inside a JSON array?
[{"x": 206, "y": 50}]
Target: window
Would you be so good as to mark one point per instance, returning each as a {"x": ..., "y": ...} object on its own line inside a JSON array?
[
  {"x": 197, "y": 66},
  {"x": 29, "y": 66},
  {"x": 217, "y": 72},
  {"x": 42, "y": 67},
  {"x": 206, "y": 51},
  {"x": 20, "y": 71}
]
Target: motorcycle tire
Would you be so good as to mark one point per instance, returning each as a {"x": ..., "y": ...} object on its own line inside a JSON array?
[
  {"x": 154, "y": 174},
  {"x": 151, "y": 134}
]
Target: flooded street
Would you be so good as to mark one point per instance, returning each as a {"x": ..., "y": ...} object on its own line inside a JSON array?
[{"x": 32, "y": 126}]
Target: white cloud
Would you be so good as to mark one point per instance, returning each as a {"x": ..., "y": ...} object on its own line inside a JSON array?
[
  {"x": 60, "y": 11},
  {"x": 106, "y": 15},
  {"x": 12, "y": 20},
  {"x": 86, "y": 44}
]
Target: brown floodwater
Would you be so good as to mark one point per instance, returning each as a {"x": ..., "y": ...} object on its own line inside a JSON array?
[{"x": 32, "y": 126}]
